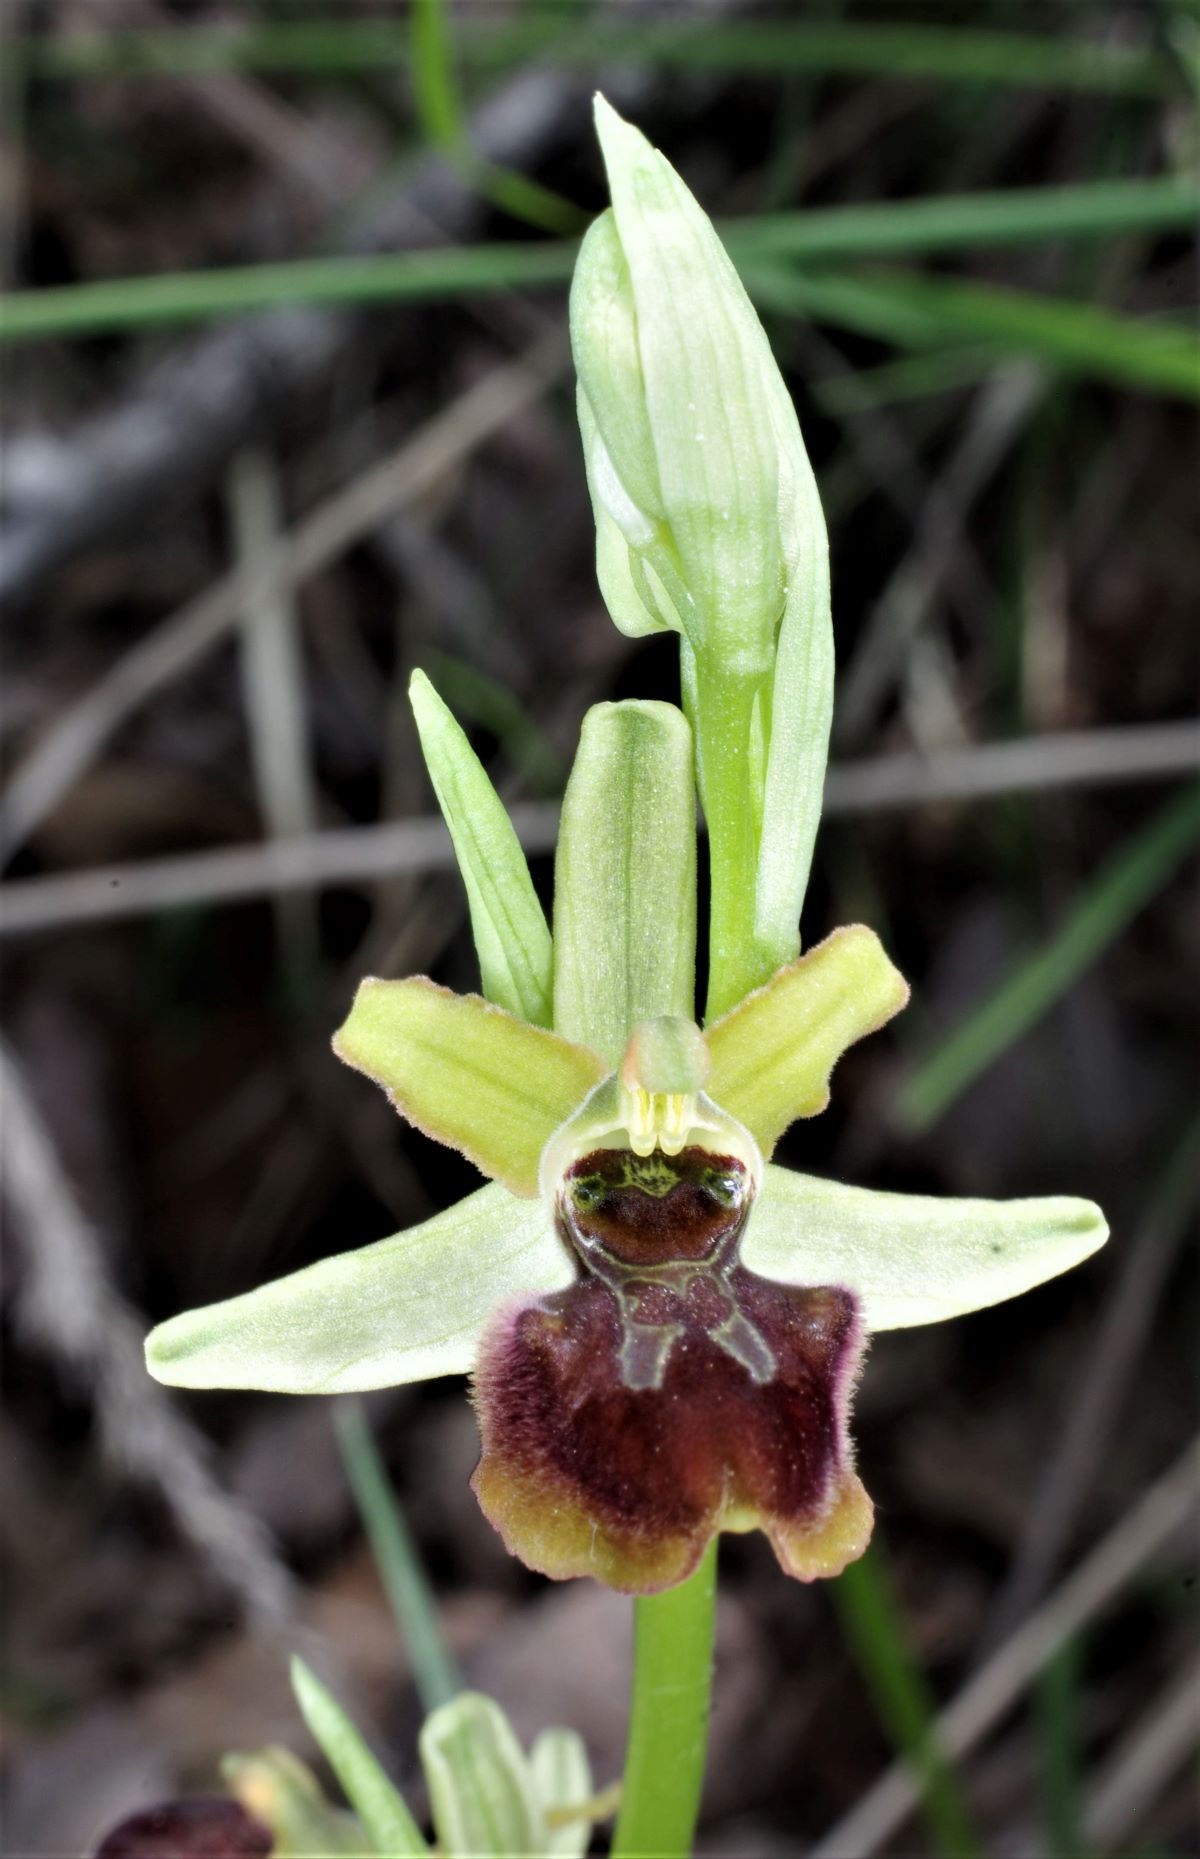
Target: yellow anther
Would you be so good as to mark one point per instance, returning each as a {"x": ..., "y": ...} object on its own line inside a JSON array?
[{"x": 658, "y": 1119}]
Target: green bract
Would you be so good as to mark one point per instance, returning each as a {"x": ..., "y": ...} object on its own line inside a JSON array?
[
  {"x": 692, "y": 457},
  {"x": 663, "y": 1326}
]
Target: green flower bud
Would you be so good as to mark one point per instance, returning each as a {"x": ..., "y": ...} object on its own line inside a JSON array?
[
  {"x": 708, "y": 524},
  {"x": 698, "y": 474}
]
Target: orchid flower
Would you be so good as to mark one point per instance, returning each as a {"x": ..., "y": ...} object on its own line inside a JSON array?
[{"x": 664, "y": 1328}]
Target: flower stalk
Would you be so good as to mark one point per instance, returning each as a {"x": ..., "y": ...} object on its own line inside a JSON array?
[{"x": 668, "y": 1719}]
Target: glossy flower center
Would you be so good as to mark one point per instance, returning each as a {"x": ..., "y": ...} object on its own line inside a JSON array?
[{"x": 662, "y": 1232}]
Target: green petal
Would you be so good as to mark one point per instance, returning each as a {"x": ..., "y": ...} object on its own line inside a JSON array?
[
  {"x": 912, "y": 1258},
  {"x": 610, "y": 506},
  {"x": 481, "y": 1788},
  {"x": 404, "y": 1309},
  {"x": 512, "y": 938},
  {"x": 562, "y": 1780},
  {"x": 625, "y": 877},
  {"x": 604, "y": 341},
  {"x": 467, "y": 1073},
  {"x": 773, "y": 1054}
]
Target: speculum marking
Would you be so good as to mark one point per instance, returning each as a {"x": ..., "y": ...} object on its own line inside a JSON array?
[{"x": 663, "y": 1234}]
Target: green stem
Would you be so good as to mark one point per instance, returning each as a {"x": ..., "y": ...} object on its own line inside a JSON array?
[
  {"x": 721, "y": 712},
  {"x": 668, "y": 1721}
]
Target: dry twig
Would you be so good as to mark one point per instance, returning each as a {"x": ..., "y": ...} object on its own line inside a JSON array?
[
  {"x": 1141, "y": 1534},
  {"x": 76, "y": 737},
  {"x": 64, "y": 1302},
  {"x": 1098, "y": 1393},
  {"x": 353, "y": 854},
  {"x": 184, "y": 419}
]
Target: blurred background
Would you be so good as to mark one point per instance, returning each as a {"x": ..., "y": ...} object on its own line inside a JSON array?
[{"x": 240, "y": 504}]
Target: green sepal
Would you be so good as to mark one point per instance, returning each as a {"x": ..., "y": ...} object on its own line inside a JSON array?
[
  {"x": 604, "y": 338},
  {"x": 623, "y": 596},
  {"x": 625, "y": 877},
  {"x": 799, "y": 715},
  {"x": 772, "y": 1055},
  {"x": 404, "y": 1309},
  {"x": 562, "y": 1779},
  {"x": 467, "y": 1073},
  {"x": 913, "y": 1258},
  {"x": 275, "y": 1788},
  {"x": 481, "y": 1789},
  {"x": 512, "y": 938},
  {"x": 386, "y": 1821}
]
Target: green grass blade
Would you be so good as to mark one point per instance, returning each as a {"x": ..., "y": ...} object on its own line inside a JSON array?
[
  {"x": 941, "y": 223},
  {"x": 902, "y": 307},
  {"x": 909, "y": 377},
  {"x": 387, "y": 1823},
  {"x": 1124, "y": 885},
  {"x": 194, "y": 296},
  {"x": 439, "y": 108},
  {"x": 873, "y": 1626},
  {"x": 776, "y": 48},
  {"x": 1056, "y": 1702},
  {"x": 404, "y": 1581},
  {"x": 925, "y": 312},
  {"x": 434, "y": 89}
]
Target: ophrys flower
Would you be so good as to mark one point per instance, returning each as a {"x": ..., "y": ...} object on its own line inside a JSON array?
[{"x": 664, "y": 1327}]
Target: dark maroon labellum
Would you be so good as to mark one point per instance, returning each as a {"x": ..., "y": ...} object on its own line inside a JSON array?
[
  {"x": 207, "y": 1827},
  {"x": 668, "y": 1393}
]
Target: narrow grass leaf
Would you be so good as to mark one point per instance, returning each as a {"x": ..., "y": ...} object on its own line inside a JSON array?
[
  {"x": 405, "y": 1583},
  {"x": 387, "y": 1823},
  {"x": 764, "y": 249},
  {"x": 949, "y": 55},
  {"x": 952, "y": 222},
  {"x": 1124, "y": 885},
  {"x": 1056, "y": 1702},
  {"x": 925, "y": 311},
  {"x": 439, "y": 108},
  {"x": 195, "y": 296},
  {"x": 434, "y": 89},
  {"x": 873, "y": 1626}
]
